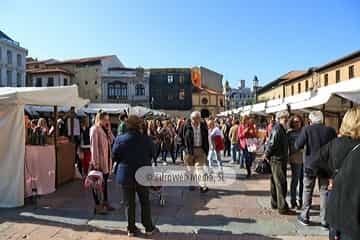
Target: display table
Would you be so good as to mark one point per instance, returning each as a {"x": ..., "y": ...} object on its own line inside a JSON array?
[
  {"x": 65, "y": 162},
  {"x": 40, "y": 165}
]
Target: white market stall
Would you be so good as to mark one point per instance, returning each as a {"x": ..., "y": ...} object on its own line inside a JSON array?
[{"x": 12, "y": 128}]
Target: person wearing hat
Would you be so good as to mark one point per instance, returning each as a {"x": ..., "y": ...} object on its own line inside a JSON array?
[{"x": 134, "y": 150}]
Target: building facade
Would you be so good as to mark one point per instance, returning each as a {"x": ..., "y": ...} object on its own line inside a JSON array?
[
  {"x": 88, "y": 74},
  {"x": 296, "y": 82},
  {"x": 39, "y": 74},
  {"x": 170, "y": 89},
  {"x": 12, "y": 62},
  {"x": 208, "y": 102},
  {"x": 240, "y": 96},
  {"x": 126, "y": 85}
]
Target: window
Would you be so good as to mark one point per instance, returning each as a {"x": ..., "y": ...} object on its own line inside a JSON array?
[
  {"x": 326, "y": 80},
  {"x": 221, "y": 102},
  {"x": 117, "y": 90},
  {"x": 139, "y": 90},
  {"x": 307, "y": 85},
  {"x": 86, "y": 82},
  {"x": 18, "y": 79},
  {"x": 95, "y": 82},
  {"x": 182, "y": 94},
  {"x": 19, "y": 60},
  {"x": 299, "y": 87},
  {"x": 351, "y": 72},
  {"x": 170, "y": 79},
  {"x": 204, "y": 101},
  {"x": 337, "y": 76},
  {"x": 50, "y": 82},
  {"x": 9, "y": 78},
  {"x": 1, "y": 84},
  {"x": 38, "y": 82},
  {"x": 292, "y": 90},
  {"x": 181, "y": 79},
  {"x": 9, "y": 57},
  {"x": 65, "y": 82},
  {"x": 0, "y": 53},
  {"x": 170, "y": 97}
]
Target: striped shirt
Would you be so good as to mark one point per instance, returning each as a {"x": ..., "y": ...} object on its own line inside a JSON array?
[{"x": 197, "y": 136}]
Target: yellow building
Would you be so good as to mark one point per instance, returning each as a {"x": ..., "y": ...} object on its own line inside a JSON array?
[
  {"x": 296, "y": 82},
  {"x": 208, "y": 102}
]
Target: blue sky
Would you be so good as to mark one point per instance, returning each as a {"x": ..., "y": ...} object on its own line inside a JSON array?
[{"x": 237, "y": 38}]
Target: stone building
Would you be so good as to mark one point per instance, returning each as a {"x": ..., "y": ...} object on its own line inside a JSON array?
[
  {"x": 88, "y": 74},
  {"x": 296, "y": 82},
  {"x": 12, "y": 62},
  {"x": 126, "y": 85},
  {"x": 208, "y": 102},
  {"x": 39, "y": 74},
  {"x": 240, "y": 96}
]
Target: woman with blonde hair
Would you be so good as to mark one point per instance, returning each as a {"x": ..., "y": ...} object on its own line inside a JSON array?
[
  {"x": 339, "y": 161},
  {"x": 101, "y": 139}
]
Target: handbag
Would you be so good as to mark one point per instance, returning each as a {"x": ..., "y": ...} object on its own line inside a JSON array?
[
  {"x": 263, "y": 167},
  {"x": 121, "y": 173},
  {"x": 252, "y": 144}
]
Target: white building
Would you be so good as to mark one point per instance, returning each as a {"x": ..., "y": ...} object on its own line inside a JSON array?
[
  {"x": 12, "y": 62},
  {"x": 240, "y": 96}
]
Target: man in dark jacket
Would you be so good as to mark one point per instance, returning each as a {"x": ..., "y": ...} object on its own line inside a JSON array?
[
  {"x": 313, "y": 137},
  {"x": 195, "y": 138},
  {"x": 277, "y": 153},
  {"x": 134, "y": 150}
]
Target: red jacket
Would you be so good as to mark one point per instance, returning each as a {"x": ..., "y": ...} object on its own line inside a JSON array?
[{"x": 243, "y": 136}]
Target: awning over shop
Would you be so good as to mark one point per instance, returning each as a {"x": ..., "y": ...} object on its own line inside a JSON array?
[
  {"x": 12, "y": 128},
  {"x": 110, "y": 108}
]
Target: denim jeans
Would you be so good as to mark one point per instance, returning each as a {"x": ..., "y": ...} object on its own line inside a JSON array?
[
  {"x": 214, "y": 156},
  {"x": 309, "y": 185},
  {"x": 297, "y": 176},
  {"x": 235, "y": 150},
  {"x": 247, "y": 158}
]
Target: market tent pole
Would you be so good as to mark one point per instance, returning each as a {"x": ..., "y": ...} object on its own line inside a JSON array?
[{"x": 55, "y": 144}]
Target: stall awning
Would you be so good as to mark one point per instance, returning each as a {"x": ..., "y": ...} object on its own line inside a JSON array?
[
  {"x": 42, "y": 96},
  {"x": 110, "y": 108}
]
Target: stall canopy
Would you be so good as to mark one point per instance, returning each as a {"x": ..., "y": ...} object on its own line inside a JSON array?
[
  {"x": 111, "y": 108},
  {"x": 12, "y": 128},
  {"x": 331, "y": 96}
]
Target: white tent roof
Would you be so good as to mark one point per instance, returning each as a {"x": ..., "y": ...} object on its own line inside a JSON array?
[
  {"x": 349, "y": 90},
  {"x": 12, "y": 128},
  {"x": 42, "y": 96},
  {"x": 111, "y": 108}
]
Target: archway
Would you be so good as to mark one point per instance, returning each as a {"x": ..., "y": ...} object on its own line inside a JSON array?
[{"x": 205, "y": 113}]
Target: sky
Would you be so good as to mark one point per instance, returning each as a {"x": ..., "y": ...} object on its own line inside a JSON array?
[{"x": 237, "y": 38}]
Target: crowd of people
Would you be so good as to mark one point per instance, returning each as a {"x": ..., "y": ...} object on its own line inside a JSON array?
[{"x": 312, "y": 151}]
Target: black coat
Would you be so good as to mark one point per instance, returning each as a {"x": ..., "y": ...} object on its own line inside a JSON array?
[
  {"x": 188, "y": 137},
  {"x": 343, "y": 208},
  {"x": 313, "y": 137},
  {"x": 277, "y": 147}
]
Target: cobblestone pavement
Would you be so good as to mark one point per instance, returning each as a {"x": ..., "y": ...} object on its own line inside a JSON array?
[{"x": 239, "y": 211}]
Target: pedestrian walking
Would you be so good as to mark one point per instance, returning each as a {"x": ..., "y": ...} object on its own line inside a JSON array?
[
  {"x": 216, "y": 143},
  {"x": 276, "y": 152},
  {"x": 167, "y": 135},
  {"x": 313, "y": 137},
  {"x": 225, "y": 128},
  {"x": 195, "y": 136},
  {"x": 339, "y": 160},
  {"x": 122, "y": 123},
  {"x": 296, "y": 163},
  {"x": 246, "y": 134},
  {"x": 234, "y": 140},
  {"x": 134, "y": 150},
  {"x": 154, "y": 135},
  {"x": 101, "y": 139}
]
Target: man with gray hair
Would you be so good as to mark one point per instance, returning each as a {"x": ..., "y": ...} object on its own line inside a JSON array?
[
  {"x": 276, "y": 152},
  {"x": 313, "y": 137},
  {"x": 196, "y": 141}
]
